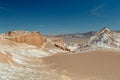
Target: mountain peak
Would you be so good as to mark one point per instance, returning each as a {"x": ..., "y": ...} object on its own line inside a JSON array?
[
  {"x": 105, "y": 29},
  {"x": 104, "y": 38}
]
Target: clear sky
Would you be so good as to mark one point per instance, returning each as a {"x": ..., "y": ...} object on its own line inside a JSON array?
[{"x": 59, "y": 16}]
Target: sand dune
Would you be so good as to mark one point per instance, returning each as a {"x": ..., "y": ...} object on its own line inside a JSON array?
[{"x": 93, "y": 65}]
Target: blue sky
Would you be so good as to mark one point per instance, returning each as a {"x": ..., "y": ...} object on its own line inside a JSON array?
[{"x": 59, "y": 16}]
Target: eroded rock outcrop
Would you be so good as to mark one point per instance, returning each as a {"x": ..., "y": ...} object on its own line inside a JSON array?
[
  {"x": 59, "y": 43},
  {"x": 31, "y": 38}
]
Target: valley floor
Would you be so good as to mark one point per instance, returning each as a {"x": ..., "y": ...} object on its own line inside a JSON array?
[{"x": 93, "y": 65}]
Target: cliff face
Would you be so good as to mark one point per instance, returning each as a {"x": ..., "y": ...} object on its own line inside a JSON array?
[{"x": 31, "y": 38}]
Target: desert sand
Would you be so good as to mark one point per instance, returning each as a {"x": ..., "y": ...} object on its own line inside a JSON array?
[{"x": 93, "y": 65}]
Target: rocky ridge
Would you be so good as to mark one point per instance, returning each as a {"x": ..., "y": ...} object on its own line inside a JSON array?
[{"x": 104, "y": 38}]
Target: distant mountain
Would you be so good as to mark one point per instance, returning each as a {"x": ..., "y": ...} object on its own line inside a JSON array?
[{"x": 73, "y": 35}]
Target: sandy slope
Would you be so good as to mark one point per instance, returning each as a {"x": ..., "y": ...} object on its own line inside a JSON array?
[
  {"x": 19, "y": 61},
  {"x": 94, "y": 65}
]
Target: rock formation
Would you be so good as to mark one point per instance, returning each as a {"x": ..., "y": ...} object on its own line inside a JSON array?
[
  {"x": 104, "y": 38},
  {"x": 31, "y": 38}
]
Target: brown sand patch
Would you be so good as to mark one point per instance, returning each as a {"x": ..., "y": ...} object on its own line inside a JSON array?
[{"x": 102, "y": 64}]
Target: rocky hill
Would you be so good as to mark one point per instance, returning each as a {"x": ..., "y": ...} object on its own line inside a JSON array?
[
  {"x": 31, "y": 38},
  {"x": 104, "y": 38}
]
